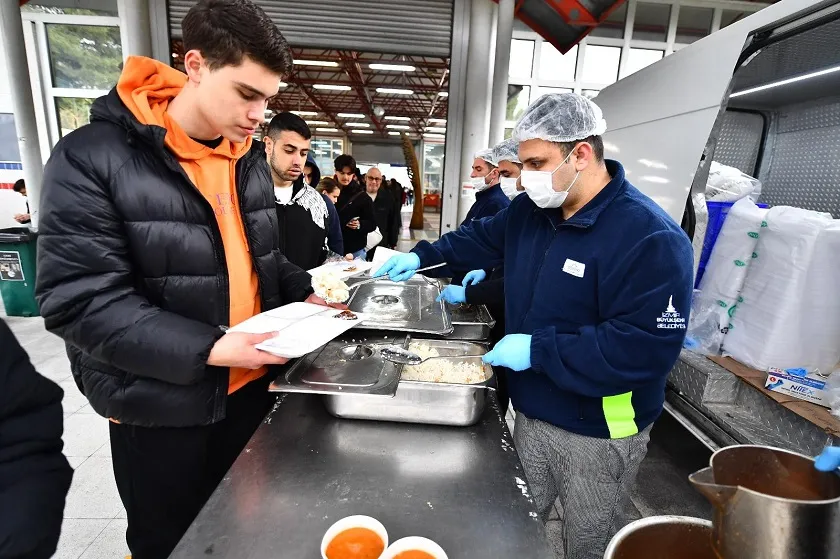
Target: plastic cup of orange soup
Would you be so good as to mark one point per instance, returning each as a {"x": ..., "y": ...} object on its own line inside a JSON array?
[
  {"x": 414, "y": 547},
  {"x": 355, "y": 537}
]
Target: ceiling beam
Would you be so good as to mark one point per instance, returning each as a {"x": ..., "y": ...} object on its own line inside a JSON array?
[
  {"x": 357, "y": 77},
  {"x": 318, "y": 103}
]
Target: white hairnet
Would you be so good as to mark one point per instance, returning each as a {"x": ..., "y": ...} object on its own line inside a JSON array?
[
  {"x": 560, "y": 117},
  {"x": 508, "y": 150},
  {"x": 487, "y": 155}
]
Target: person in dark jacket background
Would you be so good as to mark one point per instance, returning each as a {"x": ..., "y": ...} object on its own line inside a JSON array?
[
  {"x": 489, "y": 198},
  {"x": 598, "y": 285},
  {"x": 159, "y": 231},
  {"x": 355, "y": 208},
  {"x": 303, "y": 214},
  {"x": 34, "y": 474},
  {"x": 385, "y": 210},
  {"x": 312, "y": 176},
  {"x": 474, "y": 290}
]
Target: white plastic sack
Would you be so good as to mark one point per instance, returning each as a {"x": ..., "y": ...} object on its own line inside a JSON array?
[
  {"x": 707, "y": 325},
  {"x": 732, "y": 254},
  {"x": 728, "y": 184},
  {"x": 701, "y": 213},
  {"x": 832, "y": 392},
  {"x": 788, "y": 314}
]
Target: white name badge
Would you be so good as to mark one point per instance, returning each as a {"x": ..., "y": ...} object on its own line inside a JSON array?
[{"x": 574, "y": 268}]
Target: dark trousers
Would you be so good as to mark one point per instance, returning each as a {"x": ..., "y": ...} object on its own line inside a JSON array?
[{"x": 166, "y": 474}]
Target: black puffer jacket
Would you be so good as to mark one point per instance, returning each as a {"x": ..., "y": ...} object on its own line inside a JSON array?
[
  {"x": 34, "y": 475},
  {"x": 132, "y": 270}
]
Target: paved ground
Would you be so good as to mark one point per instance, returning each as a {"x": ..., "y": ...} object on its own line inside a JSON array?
[{"x": 94, "y": 526}]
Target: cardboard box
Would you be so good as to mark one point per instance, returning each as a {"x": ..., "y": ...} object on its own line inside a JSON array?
[{"x": 799, "y": 384}]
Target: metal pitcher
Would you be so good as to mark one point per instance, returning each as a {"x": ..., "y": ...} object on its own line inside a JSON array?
[
  {"x": 771, "y": 504},
  {"x": 663, "y": 537}
]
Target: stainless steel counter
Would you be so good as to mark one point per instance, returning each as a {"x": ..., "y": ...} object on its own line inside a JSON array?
[{"x": 304, "y": 469}]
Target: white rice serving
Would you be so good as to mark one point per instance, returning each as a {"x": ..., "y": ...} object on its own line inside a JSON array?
[
  {"x": 454, "y": 371},
  {"x": 330, "y": 287}
]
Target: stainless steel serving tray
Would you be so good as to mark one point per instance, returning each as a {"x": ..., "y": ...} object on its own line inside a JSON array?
[
  {"x": 423, "y": 402},
  {"x": 350, "y": 364},
  {"x": 470, "y": 322},
  {"x": 402, "y": 307}
]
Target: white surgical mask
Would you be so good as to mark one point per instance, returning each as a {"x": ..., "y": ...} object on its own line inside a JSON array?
[
  {"x": 480, "y": 183},
  {"x": 537, "y": 185},
  {"x": 508, "y": 185}
]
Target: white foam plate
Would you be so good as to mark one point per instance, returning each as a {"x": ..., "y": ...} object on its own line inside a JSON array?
[
  {"x": 340, "y": 269},
  {"x": 301, "y": 328}
]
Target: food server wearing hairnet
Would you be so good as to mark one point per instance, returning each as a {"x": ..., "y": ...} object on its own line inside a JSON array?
[
  {"x": 489, "y": 198},
  {"x": 474, "y": 290},
  {"x": 598, "y": 281}
]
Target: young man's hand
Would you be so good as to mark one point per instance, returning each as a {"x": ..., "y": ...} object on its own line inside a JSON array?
[
  {"x": 237, "y": 349},
  {"x": 354, "y": 224},
  {"x": 22, "y": 218}
]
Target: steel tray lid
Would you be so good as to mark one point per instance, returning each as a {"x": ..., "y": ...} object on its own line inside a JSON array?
[
  {"x": 403, "y": 307},
  {"x": 350, "y": 364}
]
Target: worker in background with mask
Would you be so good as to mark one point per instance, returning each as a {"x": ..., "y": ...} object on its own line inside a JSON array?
[
  {"x": 598, "y": 283},
  {"x": 489, "y": 198},
  {"x": 474, "y": 290}
]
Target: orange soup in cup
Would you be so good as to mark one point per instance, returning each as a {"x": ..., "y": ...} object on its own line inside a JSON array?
[
  {"x": 414, "y": 554},
  {"x": 357, "y": 543}
]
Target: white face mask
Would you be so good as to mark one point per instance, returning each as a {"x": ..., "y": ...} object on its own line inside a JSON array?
[
  {"x": 508, "y": 185},
  {"x": 537, "y": 185},
  {"x": 480, "y": 183}
]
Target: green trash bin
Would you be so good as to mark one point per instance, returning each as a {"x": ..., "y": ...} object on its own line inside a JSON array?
[{"x": 17, "y": 272}]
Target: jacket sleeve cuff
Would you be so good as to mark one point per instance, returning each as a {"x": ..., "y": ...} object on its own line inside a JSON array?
[{"x": 542, "y": 340}]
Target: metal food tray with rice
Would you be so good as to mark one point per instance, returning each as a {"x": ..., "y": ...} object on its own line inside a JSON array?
[
  {"x": 402, "y": 307},
  {"x": 415, "y": 401},
  {"x": 350, "y": 364}
]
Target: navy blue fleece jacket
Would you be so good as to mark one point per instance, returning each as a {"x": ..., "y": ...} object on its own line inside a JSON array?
[{"x": 605, "y": 296}]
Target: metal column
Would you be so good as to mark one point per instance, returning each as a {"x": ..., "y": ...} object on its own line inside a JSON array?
[
  {"x": 135, "y": 27},
  {"x": 23, "y": 105},
  {"x": 504, "y": 35},
  {"x": 476, "y": 116}
]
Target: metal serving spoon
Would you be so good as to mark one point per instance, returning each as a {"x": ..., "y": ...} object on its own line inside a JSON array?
[{"x": 402, "y": 356}]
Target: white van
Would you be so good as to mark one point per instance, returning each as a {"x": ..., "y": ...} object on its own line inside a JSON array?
[{"x": 762, "y": 95}]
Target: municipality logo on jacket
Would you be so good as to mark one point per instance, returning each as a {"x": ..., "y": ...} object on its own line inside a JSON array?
[{"x": 671, "y": 319}]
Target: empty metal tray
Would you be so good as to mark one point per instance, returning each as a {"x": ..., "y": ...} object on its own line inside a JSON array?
[
  {"x": 350, "y": 364},
  {"x": 423, "y": 402},
  {"x": 470, "y": 322},
  {"x": 402, "y": 307}
]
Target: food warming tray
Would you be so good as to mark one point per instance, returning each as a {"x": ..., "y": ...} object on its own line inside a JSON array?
[
  {"x": 423, "y": 402},
  {"x": 470, "y": 322},
  {"x": 350, "y": 364},
  {"x": 402, "y": 307}
]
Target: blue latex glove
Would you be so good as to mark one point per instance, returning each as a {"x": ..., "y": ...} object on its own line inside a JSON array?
[
  {"x": 513, "y": 351},
  {"x": 453, "y": 294},
  {"x": 829, "y": 460},
  {"x": 474, "y": 277},
  {"x": 400, "y": 267}
]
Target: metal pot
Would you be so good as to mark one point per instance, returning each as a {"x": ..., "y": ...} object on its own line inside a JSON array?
[
  {"x": 771, "y": 504},
  {"x": 663, "y": 537}
]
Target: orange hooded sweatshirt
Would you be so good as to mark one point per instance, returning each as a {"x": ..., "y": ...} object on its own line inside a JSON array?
[{"x": 146, "y": 87}]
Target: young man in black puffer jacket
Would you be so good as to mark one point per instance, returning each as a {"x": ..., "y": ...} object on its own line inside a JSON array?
[{"x": 158, "y": 231}]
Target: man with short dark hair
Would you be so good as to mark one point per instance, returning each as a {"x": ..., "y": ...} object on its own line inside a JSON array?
[
  {"x": 598, "y": 284},
  {"x": 355, "y": 209},
  {"x": 302, "y": 213},
  {"x": 20, "y": 188},
  {"x": 158, "y": 232}
]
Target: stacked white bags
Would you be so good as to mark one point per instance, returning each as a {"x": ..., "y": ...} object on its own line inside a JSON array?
[
  {"x": 788, "y": 314},
  {"x": 732, "y": 254}
]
